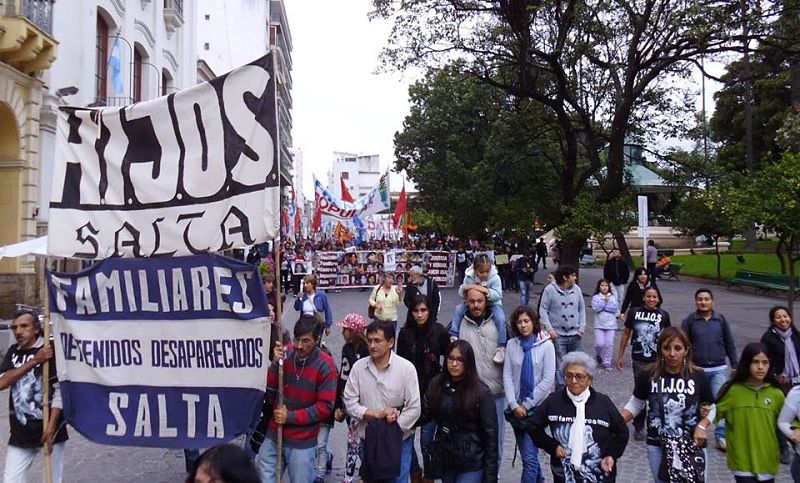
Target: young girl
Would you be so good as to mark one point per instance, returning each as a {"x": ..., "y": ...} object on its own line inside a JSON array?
[
  {"x": 750, "y": 404},
  {"x": 606, "y": 307},
  {"x": 482, "y": 276},
  {"x": 355, "y": 347}
]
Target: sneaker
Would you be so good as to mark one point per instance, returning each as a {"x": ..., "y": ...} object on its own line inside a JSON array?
[
  {"x": 608, "y": 368},
  {"x": 722, "y": 445},
  {"x": 499, "y": 355},
  {"x": 639, "y": 435}
]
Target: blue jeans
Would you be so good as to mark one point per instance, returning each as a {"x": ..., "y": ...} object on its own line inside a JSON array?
[
  {"x": 405, "y": 460},
  {"x": 500, "y": 405},
  {"x": 564, "y": 345},
  {"x": 498, "y": 315},
  {"x": 322, "y": 452},
  {"x": 468, "y": 477},
  {"x": 716, "y": 380},
  {"x": 299, "y": 462},
  {"x": 794, "y": 469},
  {"x": 529, "y": 453},
  {"x": 426, "y": 433},
  {"x": 654, "y": 455},
  {"x": 525, "y": 287}
]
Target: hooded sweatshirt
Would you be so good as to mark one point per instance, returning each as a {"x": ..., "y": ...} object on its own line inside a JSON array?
[
  {"x": 493, "y": 283},
  {"x": 544, "y": 366}
]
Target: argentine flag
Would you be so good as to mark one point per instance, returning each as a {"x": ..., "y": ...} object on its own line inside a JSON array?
[{"x": 115, "y": 65}]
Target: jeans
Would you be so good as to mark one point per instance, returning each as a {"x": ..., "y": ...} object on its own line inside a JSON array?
[
  {"x": 525, "y": 287},
  {"x": 564, "y": 345},
  {"x": 794, "y": 469},
  {"x": 322, "y": 453},
  {"x": 299, "y": 462},
  {"x": 716, "y": 380},
  {"x": 654, "y": 455},
  {"x": 405, "y": 460},
  {"x": 619, "y": 292},
  {"x": 500, "y": 405},
  {"x": 426, "y": 433},
  {"x": 18, "y": 460},
  {"x": 543, "y": 259},
  {"x": 604, "y": 345},
  {"x": 498, "y": 315},
  {"x": 639, "y": 421},
  {"x": 529, "y": 454},
  {"x": 468, "y": 477}
]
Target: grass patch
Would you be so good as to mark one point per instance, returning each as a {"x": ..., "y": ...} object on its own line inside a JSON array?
[
  {"x": 705, "y": 265},
  {"x": 737, "y": 246}
]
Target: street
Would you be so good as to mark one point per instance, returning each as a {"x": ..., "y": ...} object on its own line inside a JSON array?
[{"x": 86, "y": 461}]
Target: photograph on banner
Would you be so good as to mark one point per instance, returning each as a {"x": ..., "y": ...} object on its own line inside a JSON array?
[
  {"x": 358, "y": 269},
  {"x": 166, "y": 353}
]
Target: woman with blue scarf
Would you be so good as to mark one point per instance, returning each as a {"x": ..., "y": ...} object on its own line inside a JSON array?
[{"x": 528, "y": 376}]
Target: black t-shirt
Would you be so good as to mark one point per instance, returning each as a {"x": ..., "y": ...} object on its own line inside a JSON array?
[
  {"x": 681, "y": 398},
  {"x": 646, "y": 325},
  {"x": 25, "y": 400}
]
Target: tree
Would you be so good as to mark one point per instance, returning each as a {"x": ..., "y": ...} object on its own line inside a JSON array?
[
  {"x": 709, "y": 213},
  {"x": 601, "y": 70},
  {"x": 770, "y": 197},
  {"x": 458, "y": 145}
]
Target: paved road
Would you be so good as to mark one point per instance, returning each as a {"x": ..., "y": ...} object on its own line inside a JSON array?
[{"x": 86, "y": 461}]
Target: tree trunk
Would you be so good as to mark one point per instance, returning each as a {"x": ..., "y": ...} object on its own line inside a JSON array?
[
  {"x": 571, "y": 252},
  {"x": 793, "y": 255},
  {"x": 623, "y": 247},
  {"x": 779, "y": 253},
  {"x": 719, "y": 260}
]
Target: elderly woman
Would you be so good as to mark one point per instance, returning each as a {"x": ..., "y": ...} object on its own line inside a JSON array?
[
  {"x": 309, "y": 301},
  {"x": 588, "y": 432}
]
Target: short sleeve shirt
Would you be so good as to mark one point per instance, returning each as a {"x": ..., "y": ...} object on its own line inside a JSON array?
[{"x": 645, "y": 325}]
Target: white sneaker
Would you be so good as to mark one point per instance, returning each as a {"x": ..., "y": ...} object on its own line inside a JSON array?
[{"x": 499, "y": 355}]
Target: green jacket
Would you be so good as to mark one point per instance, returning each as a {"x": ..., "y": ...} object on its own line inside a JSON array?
[{"x": 751, "y": 417}]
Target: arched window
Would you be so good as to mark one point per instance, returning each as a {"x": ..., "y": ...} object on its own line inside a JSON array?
[
  {"x": 166, "y": 82},
  {"x": 101, "y": 61},
  {"x": 137, "y": 75}
]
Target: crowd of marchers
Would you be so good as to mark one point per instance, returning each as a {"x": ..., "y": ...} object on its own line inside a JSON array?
[{"x": 462, "y": 385}]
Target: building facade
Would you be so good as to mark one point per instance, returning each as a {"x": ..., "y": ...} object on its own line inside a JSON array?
[{"x": 360, "y": 173}]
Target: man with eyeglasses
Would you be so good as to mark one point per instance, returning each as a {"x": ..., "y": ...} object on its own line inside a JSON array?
[
  {"x": 563, "y": 315},
  {"x": 478, "y": 328},
  {"x": 384, "y": 387}
]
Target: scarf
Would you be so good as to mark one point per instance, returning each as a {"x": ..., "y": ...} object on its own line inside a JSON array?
[
  {"x": 577, "y": 434},
  {"x": 790, "y": 366},
  {"x": 526, "y": 378}
]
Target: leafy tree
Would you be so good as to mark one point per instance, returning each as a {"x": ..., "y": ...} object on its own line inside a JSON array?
[
  {"x": 770, "y": 197},
  {"x": 711, "y": 213},
  {"x": 600, "y": 70}
]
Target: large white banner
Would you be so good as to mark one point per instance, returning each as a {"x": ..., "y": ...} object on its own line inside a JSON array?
[
  {"x": 191, "y": 172},
  {"x": 375, "y": 201}
]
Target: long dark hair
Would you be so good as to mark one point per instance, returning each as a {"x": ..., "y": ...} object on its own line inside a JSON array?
[
  {"x": 742, "y": 373},
  {"x": 601, "y": 281},
  {"x": 524, "y": 309},
  {"x": 638, "y": 272},
  {"x": 419, "y": 299},
  {"x": 777, "y": 308},
  {"x": 658, "y": 368},
  {"x": 227, "y": 462},
  {"x": 470, "y": 387}
]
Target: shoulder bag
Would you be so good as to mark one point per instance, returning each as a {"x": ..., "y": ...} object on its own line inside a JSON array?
[
  {"x": 370, "y": 307},
  {"x": 681, "y": 459}
]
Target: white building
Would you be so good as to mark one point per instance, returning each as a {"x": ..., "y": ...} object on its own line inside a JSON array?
[
  {"x": 232, "y": 33},
  {"x": 360, "y": 173}
]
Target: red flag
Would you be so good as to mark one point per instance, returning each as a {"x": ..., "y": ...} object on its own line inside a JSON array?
[
  {"x": 317, "y": 216},
  {"x": 400, "y": 209},
  {"x": 346, "y": 196}
]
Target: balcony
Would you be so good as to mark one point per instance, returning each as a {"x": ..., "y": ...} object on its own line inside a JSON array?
[
  {"x": 25, "y": 34},
  {"x": 173, "y": 15}
]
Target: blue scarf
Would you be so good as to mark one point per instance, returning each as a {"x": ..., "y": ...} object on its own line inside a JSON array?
[{"x": 526, "y": 378}]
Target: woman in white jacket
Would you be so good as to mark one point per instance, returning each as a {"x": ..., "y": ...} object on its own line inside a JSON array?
[
  {"x": 528, "y": 376},
  {"x": 606, "y": 310}
]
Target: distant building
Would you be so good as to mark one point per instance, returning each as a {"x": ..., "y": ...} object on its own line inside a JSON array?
[{"x": 360, "y": 173}]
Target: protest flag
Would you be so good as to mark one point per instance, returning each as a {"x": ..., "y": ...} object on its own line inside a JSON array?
[
  {"x": 346, "y": 196},
  {"x": 115, "y": 65},
  {"x": 400, "y": 209}
]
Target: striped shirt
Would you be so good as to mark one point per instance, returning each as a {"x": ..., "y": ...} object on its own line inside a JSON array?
[{"x": 309, "y": 392}]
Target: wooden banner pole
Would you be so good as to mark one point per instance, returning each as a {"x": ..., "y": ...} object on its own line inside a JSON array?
[{"x": 48, "y": 470}]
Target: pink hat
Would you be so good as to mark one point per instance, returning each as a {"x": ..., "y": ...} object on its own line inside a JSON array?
[{"x": 353, "y": 321}]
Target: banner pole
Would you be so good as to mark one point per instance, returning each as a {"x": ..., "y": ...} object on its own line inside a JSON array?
[
  {"x": 279, "y": 295},
  {"x": 48, "y": 471}
]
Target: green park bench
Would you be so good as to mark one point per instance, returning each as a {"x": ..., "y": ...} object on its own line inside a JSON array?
[
  {"x": 761, "y": 280},
  {"x": 587, "y": 260},
  {"x": 672, "y": 271}
]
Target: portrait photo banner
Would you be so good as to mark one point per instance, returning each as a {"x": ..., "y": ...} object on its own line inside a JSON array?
[
  {"x": 191, "y": 172},
  {"x": 355, "y": 269},
  {"x": 166, "y": 353}
]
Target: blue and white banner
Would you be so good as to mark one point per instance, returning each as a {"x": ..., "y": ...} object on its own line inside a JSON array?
[{"x": 168, "y": 352}]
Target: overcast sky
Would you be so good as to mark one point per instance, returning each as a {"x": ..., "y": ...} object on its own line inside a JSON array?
[{"x": 340, "y": 103}]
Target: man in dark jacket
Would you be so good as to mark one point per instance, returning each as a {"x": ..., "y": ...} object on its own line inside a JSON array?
[
  {"x": 419, "y": 284},
  {"x": 617, "y": 273},
  {"x": 525, "y": 268},
  {"x": 712, "y": 341},
  {"x": 541, "y": 253}
]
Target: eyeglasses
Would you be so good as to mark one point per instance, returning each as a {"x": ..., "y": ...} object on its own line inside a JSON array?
[
  {"x": 576, "y": 377},
  {"x": 455, "y": 360}
]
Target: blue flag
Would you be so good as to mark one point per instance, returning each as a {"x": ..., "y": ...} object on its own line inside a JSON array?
[{"x": 115, "y": 65}]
